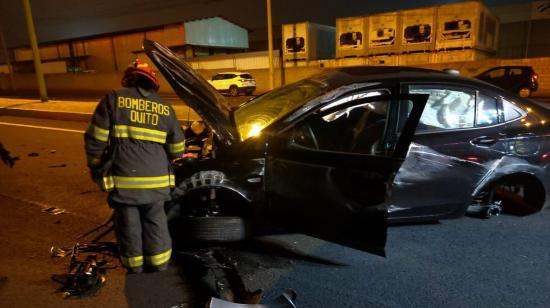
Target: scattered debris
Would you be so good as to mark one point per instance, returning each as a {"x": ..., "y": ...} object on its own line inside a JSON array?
[
  {"x": 3, "y": 279},
  {"x": 285, "y": 300},
  {"x": 53, "y": 211},
  {"x": 85, "y": 277},
  {"x": 33, "y": 154},
  {"x": 57, "y": 166},
  {"x": 86, "y": 273},
  {"x": 56, "y": 252},
  {"x": 6, "y": 157}
]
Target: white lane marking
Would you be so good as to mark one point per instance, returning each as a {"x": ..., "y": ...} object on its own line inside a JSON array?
[{"x": 44, "y": 127}]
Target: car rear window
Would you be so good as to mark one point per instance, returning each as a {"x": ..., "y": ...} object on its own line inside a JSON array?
[
  {"x": 516, "y": 72},
  {"x": 511, "y": 112},
  {"x": 246, "y": 76}
]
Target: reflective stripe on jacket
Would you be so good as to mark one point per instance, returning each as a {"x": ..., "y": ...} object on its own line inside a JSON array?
[{"x": 134, "y": 136}]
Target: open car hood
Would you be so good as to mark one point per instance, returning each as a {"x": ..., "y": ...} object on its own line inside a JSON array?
[{"x": 196, "y": 92}]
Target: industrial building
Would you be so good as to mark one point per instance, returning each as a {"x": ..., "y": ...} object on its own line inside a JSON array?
[{"x": 112, "y": 52}]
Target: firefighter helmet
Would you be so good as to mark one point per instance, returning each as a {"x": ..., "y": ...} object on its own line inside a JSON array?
[{"x": 139, "y": 68}]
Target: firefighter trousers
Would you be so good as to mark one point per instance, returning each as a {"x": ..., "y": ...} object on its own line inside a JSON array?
[{"x": 142, "y": 235}]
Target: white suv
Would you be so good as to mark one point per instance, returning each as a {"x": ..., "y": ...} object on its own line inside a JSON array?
[{"x": 234, "y": 83}]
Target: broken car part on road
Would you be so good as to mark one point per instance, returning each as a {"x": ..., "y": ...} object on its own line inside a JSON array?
[{"x": 87, "y": 267}]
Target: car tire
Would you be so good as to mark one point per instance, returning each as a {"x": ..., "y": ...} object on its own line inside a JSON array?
[
  {"x": 233, "y": 90},
  {"x": 524, "y": 92},
  {"x": 214, "y": 229},
  {"x": 249, "y": 92}
]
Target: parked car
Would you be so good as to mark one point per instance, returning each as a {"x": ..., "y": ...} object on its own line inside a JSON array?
[
  {"x": 334, "y": 155},
  {"x": 234, "y": 83},
  {"x": 518, "y": 79}
]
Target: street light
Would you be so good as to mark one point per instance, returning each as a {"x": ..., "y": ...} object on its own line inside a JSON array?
[
  {"x": 35, "y": 52},
  {"x": 270, "y": 45}
]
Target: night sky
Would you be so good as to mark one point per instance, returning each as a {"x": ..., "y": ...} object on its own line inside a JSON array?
[{"x": 64, "y": 19}]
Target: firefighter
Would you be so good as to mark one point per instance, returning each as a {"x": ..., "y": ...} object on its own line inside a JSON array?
[{"x": 129, "y": 143}]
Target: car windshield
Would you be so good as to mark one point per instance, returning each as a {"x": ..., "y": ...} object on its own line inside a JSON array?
[{"x": 254, "y": 116}]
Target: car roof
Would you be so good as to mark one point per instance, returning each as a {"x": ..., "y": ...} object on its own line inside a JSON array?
[
  {"x": 510, "y": 66},
  {"x": 360, "y": 74},
  {"x": 236, "y": 73}
]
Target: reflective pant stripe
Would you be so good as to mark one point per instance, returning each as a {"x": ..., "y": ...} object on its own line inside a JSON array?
[
  {"x": 98, "y": 133},
  {"x": 145, "y": 182},
  {"x": 131, "y": 262},
  {"x": 125, "y": 131},
  {"x": 175, "y": 148},
  {"x": 159, "y": 259}
]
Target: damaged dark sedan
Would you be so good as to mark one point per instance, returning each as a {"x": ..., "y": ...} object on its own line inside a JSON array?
[{"x": 340, "y": 154}]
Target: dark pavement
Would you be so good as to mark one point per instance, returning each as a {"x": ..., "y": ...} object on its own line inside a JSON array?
[{"x": 501, "y": 262}]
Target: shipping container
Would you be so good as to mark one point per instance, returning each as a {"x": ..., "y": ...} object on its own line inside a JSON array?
[
  {"x": 466, "y": 25},
  {"x": 351, "y": 33},
  {"x": 383, "y": 36},
  {"x": 308, "y": 41},
  {"x": 418, "y": 29}
]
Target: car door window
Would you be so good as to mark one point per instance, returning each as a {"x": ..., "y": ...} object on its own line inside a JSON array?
[
  {"x": 498, "y": 73},
  {"x": 218, "y": 77},
  {"x": 354, "y": 128},
  {"x": 487, "y": 111},
  {"x": 446, "y": 108}
]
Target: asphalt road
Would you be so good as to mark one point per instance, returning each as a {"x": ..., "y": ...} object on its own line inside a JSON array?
[{"x": 503, "y": 262}]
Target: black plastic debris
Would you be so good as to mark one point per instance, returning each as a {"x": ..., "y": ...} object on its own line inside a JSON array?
[
  {"x": 87, "y": 268},
  {"x": 57, "y": 166},
  {"x": 33, "y": 154},
  {"x": 85, "y": 277},
  {"x": 53, "y": 211},
  {"x": 6, "y": 157}
]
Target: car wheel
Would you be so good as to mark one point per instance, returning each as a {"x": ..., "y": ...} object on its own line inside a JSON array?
[
  {"x": 249, "y": 92},
  {"x": 524, "y": 92},
  {"x": 214, "y": 229},
  {"x": 233, "y": 91}
]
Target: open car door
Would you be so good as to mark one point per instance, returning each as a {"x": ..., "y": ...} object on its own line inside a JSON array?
[
  {"x": 330, "y": 175},
  {"x": 196, "y": 92}
]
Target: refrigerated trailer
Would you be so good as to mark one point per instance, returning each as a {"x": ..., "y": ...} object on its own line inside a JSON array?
[
  {"x": 383, "y": 33},
  {"x": 418, "y": 29},
  {"x": 308, "y": 41},
  {"x": 351, "y": 36},
  {"x": 466, "y": 25}
]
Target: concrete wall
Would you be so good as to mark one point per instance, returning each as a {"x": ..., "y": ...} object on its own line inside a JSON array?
[{"x": 99, "y": 83}]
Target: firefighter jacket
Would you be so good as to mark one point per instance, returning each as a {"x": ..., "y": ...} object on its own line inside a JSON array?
[{"x": 128, "y": 145}]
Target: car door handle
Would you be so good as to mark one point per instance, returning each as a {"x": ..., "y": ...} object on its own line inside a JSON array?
[{"x": 484, "y": 141}]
